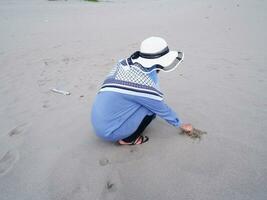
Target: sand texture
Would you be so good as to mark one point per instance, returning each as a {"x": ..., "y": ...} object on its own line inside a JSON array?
[{"x": 47, "y": 146}]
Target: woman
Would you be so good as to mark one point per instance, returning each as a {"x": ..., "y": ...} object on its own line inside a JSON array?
[{"x": 130, "y": 98}]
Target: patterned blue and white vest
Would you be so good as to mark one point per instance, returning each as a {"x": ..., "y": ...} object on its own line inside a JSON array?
[{"x": 128, "y": 78}]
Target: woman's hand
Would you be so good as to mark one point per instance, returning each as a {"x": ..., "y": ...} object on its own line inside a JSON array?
[{"x": 187, "y": 128}]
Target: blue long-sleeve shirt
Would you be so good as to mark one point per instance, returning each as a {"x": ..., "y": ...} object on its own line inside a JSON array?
[{"x": 115, "y": 116}]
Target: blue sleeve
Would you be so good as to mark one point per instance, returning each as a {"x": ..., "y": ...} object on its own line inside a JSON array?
[{"x": 159, "y": 108}]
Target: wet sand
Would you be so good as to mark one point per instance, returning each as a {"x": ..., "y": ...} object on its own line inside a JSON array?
[{"x": 47, "y": 146}]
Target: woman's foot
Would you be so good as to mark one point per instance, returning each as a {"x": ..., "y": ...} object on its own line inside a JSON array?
[{"x": 140, "y": 140}]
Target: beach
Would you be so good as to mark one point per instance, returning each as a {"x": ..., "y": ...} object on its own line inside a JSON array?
[{"x": 48, "y": 149}]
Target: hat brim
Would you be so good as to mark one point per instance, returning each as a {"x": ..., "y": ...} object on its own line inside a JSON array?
[{"x": 164, "y": 61}]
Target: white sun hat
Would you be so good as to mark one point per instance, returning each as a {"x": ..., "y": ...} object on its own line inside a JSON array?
[{"x": 155, "y": 51}]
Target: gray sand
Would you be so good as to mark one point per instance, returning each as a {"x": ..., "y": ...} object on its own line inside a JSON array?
[{"x": 47, "y": 146}]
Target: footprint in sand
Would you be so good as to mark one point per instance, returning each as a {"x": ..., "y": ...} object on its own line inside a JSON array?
[
  {"x": 111, "y": 187},
  {"x": 112, "y": 184},
  {"x": 104, "y": 162},
  {"x": 7, "y": 161},
  {"x": 46, "y": 104},
  {"x": 48, "y": 61},
  {"x": 13, "y": 132},
  {"x": 8, "y": 144},
  {"x": 133, "y": 150},
  {"x": 66, "y": 60},
  {"x": 17, "y": 130}
]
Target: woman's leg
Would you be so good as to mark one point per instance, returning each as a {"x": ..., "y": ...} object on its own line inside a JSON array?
[
  {"x": 131, "y": 125},
  {"x": 145, "y": 122}
]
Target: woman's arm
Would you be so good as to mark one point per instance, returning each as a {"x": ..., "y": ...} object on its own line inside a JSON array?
[{"x": 160, "y": 108}]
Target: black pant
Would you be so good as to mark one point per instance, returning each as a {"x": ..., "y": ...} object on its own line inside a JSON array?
[{"x": 145, "y": 122}]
